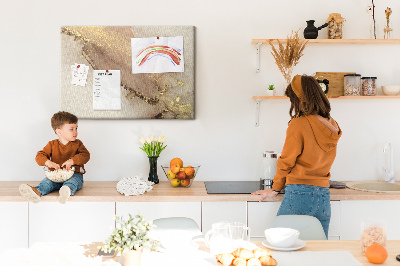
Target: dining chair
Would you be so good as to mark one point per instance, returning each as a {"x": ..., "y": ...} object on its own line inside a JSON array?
[
  {"x": 178, "y": 223},
  {"x": 310, "y": 227}
]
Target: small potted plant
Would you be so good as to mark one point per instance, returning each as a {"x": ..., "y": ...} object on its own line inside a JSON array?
[
  {"x": 271, "y": 90},
  {"x": 129, "y": 238}
]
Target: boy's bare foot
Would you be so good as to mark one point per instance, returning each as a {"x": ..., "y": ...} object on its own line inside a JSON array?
[
  {"x": 65, "y": 192},
  {"x": 30, "y": 193}
]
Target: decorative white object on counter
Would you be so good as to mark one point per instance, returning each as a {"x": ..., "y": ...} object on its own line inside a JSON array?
[
  {"x": 391, "y": 90},
  {"x": 60, "y": 175},
  {"x": 133, "y": 186}
]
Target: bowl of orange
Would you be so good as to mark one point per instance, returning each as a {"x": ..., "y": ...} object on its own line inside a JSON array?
[{"x": 180, "y": 174}]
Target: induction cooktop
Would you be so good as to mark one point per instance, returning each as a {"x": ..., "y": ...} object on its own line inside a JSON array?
[{"x": 233, "y": 187}]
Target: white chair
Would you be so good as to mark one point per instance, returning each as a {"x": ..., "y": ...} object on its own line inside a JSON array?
[
  {"x": 179, "y": 227},
  {"x": 310, "y": 227}
]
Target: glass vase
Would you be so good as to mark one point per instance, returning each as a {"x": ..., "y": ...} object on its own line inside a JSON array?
[{"x": 153, "y": 177}]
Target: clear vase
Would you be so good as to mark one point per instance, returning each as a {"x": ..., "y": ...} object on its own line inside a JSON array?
[
  {"x": 153, "y": 177},
  {"x": 374, "y": 32}
]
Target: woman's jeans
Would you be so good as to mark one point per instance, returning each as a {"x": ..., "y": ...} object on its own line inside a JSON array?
[
  {"x": 308, "y": 200},
  {"x": 74, "y": 183}
]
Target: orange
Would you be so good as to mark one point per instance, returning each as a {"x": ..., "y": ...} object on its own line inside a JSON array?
[
  {"x": 176, "y": 161},
  {"x": 376, "y": 254}
]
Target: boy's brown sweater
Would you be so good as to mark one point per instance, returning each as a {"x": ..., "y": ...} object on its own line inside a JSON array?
[
  {"x": 57, "y": 152},
  {"x": 307, "y": 155}
]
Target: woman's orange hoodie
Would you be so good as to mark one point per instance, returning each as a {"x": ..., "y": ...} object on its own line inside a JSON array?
[{"x": 307, "y": 155}]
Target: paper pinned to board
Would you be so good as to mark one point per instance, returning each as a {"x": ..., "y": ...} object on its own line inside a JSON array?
[
  {"x": 157, "y": 55},
  {"x": 106, "y": 90},
  {"x": 79, "y": 74}
]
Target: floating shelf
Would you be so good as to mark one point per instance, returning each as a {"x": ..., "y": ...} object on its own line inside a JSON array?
[
  {"x": 259, "y": 42},
  {"x": 259, "y": 98},
  {"x": 332, "y": 41}
]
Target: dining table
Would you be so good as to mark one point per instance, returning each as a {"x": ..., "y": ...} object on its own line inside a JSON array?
[{"x": 86, "y": 254}]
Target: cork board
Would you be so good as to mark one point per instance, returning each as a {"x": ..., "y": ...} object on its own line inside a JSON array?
[
  {"x": 144, "y": 95},
  {"x": 336, "y": 81}
]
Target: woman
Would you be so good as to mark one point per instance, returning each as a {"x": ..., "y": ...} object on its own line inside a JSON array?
[{"x": 308, "y": 153}]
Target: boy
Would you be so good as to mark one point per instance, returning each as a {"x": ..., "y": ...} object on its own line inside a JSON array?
[{"x": 66, "y": 151}]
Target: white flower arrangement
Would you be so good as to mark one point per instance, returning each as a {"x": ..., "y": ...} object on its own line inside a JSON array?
[
  {"x": 131, "y": 234},
  {"x": 153, "y": 146}
]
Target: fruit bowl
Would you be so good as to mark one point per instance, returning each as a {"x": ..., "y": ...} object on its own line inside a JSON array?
[{"x": 181, "y": 177}]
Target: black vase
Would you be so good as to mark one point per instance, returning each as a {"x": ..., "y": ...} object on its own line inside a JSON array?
[
  {"x": 311, "y": 32},
  {"x": 153, "y": 177}
]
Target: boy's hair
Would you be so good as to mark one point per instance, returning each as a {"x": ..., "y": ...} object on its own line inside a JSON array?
[
  {"x": 62, "y": 118},
  {"x": 315, "y": 100}
]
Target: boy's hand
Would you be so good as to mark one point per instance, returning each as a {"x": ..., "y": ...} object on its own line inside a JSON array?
[
  {"x": 68, "y": 164},
  {"x": 51, "y": 164}
]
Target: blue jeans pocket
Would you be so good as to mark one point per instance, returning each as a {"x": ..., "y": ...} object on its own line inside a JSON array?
[
  {"x": 301, "y": 202},
  {"x": 326, "y": 205}
]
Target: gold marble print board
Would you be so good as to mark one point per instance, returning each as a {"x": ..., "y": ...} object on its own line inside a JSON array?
[{"x": 143, "y": 96}]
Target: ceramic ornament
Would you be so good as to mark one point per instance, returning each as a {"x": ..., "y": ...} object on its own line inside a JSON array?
[{"x": 132, "y": 186}]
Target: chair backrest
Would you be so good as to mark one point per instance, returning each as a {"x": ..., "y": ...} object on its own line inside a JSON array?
[
  {"x": 178, "y": 223},
  {"x": 310, "y": 227}
]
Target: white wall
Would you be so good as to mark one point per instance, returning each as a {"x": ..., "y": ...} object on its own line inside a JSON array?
[{"x": 222, "y": 138}]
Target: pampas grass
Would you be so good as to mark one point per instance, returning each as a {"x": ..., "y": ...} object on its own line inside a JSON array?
[{"x": 287, "y": 57}]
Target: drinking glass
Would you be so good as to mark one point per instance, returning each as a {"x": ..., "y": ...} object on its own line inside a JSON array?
[{"x": 239, "y": 232}]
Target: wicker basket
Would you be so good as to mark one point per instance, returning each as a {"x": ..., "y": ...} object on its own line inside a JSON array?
[{"x": 60, "y": 175}]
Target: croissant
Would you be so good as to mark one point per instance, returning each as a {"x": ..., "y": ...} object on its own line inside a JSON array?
[
  {"x": 267, "y": 261},
  {"x": 243, "y": 253},
  {"x": 239, "y": 262},
  {"x": 258, "y": 252},
  {"x": 226, "y": 258},
  {"x": 253, "y": 262}
]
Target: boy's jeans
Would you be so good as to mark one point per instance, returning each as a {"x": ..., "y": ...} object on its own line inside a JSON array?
[
  {"x": 74, "y": 183},
  {"x": 308, "y": 200}
]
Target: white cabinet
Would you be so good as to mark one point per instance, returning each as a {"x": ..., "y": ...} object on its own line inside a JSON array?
[
  {"x": 13, "y": 225},
  {"x": 72, "y": 222},
  {"x": 218, "y": 211},
  {"x": 260, "y": 216},
  {"x": 154, "y": 210},
  {"x": 354, "y": 211}
]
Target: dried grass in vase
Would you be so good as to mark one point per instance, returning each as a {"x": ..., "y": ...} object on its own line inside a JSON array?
[{"x": 286, "y": 58}]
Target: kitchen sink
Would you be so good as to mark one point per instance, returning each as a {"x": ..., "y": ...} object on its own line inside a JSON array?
[{"x": 375, "y": 186}]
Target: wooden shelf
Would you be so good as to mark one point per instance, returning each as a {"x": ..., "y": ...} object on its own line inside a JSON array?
[
  {"x": 332, "y": 41},
  {"x": 331, "y": 97}
]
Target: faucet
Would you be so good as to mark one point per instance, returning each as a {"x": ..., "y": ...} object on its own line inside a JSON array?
[{"x": 388, "y": 174}]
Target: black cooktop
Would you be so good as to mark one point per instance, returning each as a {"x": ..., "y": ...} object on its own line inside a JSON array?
[{"x": 233, "y": 187}]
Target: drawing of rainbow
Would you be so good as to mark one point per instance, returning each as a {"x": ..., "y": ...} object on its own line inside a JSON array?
[{"x": 150, "y": 51}]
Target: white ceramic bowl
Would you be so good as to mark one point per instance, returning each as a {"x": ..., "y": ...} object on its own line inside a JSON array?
[
  {"x": 391, "y": 90},
  {"x": 282, "y": 237}
]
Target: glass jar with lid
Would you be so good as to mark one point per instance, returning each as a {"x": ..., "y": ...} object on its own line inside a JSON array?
[
  {"x": 270, "y": 158},
  {"x": 352, "y": 85},
  {"x": 368, "y": 86}
]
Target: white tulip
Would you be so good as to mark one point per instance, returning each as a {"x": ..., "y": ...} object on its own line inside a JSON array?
[
  {"x": 148, "y": 140},
  {"x": 142, "y": 140},
  {"x": 162, "y": 138},
  {"x": 156, "y": 139},
  {"x": 151, "y": 138}
]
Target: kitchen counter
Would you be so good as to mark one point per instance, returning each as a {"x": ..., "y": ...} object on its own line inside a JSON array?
[{"x": 105, "y": 191}]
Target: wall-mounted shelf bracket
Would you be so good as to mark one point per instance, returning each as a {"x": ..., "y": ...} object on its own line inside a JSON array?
[
  {"x": 258, "y": 57},
  {"x": 257, "y": 112}
]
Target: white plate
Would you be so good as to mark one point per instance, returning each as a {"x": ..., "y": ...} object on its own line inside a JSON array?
[{"x": 298, "y": 245}]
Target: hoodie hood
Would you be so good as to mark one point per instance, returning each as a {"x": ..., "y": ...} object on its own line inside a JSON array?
[{"x": 325, "y": 138}]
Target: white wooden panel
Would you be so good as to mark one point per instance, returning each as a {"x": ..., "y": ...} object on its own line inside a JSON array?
[
  {"x": 334, "y": 225},
  {"x": 155, "y": 210},
  {"x": 72, "y": 222},
  {"x": 218, "y": 211},
  {"x": 355, "y": 211},
  {"x": 13, "y": 225},
  {"x": 261, "y": 215}
]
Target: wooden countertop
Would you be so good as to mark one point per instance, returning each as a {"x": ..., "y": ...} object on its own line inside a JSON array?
[{"x": 105, "y": 191}]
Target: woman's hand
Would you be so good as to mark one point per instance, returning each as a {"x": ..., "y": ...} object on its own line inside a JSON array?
[{"x": 269, "y": 192}]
